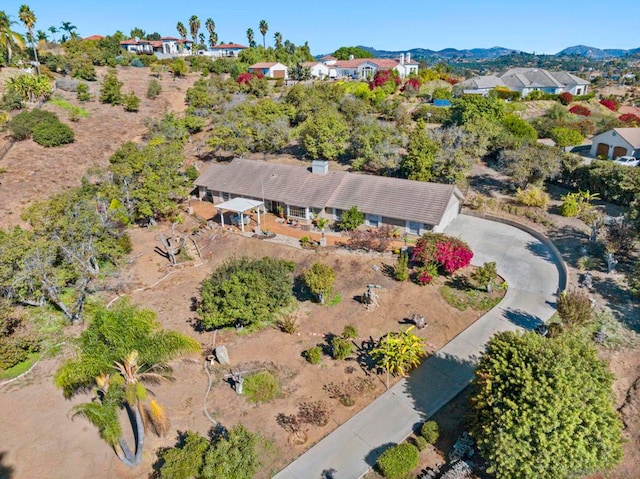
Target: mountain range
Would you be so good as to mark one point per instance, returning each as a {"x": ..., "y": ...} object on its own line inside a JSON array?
[{"x": 496, "y": 52}]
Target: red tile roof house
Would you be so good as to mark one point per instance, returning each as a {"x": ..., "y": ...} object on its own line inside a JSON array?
[
  {"x": 270, "y": 70},
  {"x": 413, "y": 207},
  {"x": 164, "y": 48},
  {"x": 365, "y": 68},
  {"x": 226, "y": 50}
]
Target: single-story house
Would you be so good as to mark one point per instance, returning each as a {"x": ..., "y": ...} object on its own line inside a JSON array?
[
  {"x": 413, "y": 207},
  {"x": 365, "y": 68},
  {"x": 227, "y": 50},
  {"x": 270, "y": 70},
  {"x": 480, "y": 85},
  {"x": 134, "y": 45},
  {"x": 318, "y": 69},
  {"x": 526, "y": 80},
  {"x": 616, "y": 142}
]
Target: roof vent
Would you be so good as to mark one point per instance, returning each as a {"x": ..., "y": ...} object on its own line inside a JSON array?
[{"x": 320, "y": 167}]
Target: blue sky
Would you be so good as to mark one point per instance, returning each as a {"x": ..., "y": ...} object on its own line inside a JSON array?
[{"x": 542, "y": 26}]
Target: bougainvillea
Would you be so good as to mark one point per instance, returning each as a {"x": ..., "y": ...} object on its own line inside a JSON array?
[
  {"x": 451, "y": 80},
  {"x": 382, "y": 77},
  {"x": 610, "y": 104},
  {"x": 411, "y": 86},
  {"x": 630, "y": 119},
  {"x": 427, "y": 274},
  {"x": 565, "y": 98},
  {"x": 448, "y": 253},
  {"x": 245, "y": 78},
  {"x": 580, "y": 110}
]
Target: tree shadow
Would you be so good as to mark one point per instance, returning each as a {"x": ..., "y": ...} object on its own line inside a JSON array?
[
  {"x": 328, "y": 474},
  {"x": 300, "y": 290},
  {"x": 363, "y": 356},
  {"x": 486, "y": 184},
  {"x": 522, "y": 318},
  {"x": 372, "y": 457},
  {"x": 6, "y": 472},
  {"x": 388, "y": 270},
  {"x": 619, "y": 301},
  {"x": 540, "y": 250}
]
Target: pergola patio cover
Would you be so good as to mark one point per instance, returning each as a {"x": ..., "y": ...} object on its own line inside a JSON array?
[{"x": 239, "y": 205}]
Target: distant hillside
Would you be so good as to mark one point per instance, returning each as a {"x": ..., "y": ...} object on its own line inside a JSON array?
[
  {"x": 484, "y": 54},
  {"x": 596, "y": 53},
  {"x": 446, "y": 54}
]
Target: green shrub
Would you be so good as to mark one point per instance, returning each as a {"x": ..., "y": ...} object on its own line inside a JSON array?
[
  {"x": 350, "y": 332},
  {"x": 420, "y": 442},
  {"x": 154, "y": 88},
  {"x": 533, "y": 196},
  {"x": 22, "y": 125},
  {"x": 341, "y": 348},
  {"x": 574, "y": 308},
  {"x": 351, "y": 219},
  {"x": 401, "y": 271},
  {"x": 397, "y": 461},
  {"x": 11, "y": 100},
  {"x": 49, "y": 134},
  {"x": 137, "y": 63},
  {"x": 313, "y": 355},
  {"x": 131, "y": 102},
  {"x": 194, "y": 124},
  {"x": 430, "y": 431},
  {"x": 571, "y": 205},
  {"x": 178, "y": 67},
  {"x": 261, "y": 387},
  {"x": 84, "y": 70},
  {"x": 111, "y": 91},
  {"x": 83, "y": 92}
]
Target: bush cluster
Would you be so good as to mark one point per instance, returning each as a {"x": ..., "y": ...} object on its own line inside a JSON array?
[
  {"x": 43, "y": 126},
  {"x": 630, "y": 119},
  {"x": 609, "y": 103},
  {"x": 580, "y": 110},
  {"x": 533, "y": 196},
  {"x": 448, "y": 253},
  {"x": 397, "y": 461},
  {"x": 430, "y": 431},
  {"x": 565, "y": 98}
]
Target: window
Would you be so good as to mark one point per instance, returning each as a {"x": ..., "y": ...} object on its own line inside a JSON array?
[
  {"x": 298, "y": 212},
  {"x": 413, "y": 228},
  {"x": 373, "y": 220},
  {"x": 337, "y": 214}
]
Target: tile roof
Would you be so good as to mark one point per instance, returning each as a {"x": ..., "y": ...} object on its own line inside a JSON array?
[
  {"x": 389, "y": 197},
  {"x": 540, "y": 78},
  {"x": 630, "y": 135},
  {"x": 224, "y": 46},
  {"x": 488, "y": 81},
  {"x": 94, "y": 37},
  {"x": 383, "y": 63}
]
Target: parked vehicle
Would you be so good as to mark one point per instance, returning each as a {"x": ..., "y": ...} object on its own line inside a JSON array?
[{"x": 627, "y": 161}]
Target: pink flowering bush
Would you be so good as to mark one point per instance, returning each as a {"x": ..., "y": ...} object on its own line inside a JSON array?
[
  {"x": 580, "y": 110},
  {"x": 447, "y": 253},
  {"x": 630, "y": 119},
  {"x": 384, "y": 78},
  {"x": 427, "y": 274},
  {"x": 245, "y": 78},
  {"x": 565, "y": 98},
  {"x": 610, "y": 104},
  {"x": 411, "y": 86}
]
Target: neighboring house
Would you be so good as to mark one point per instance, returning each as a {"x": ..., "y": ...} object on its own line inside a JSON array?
[
  {"x": 412, "y": 206},
  {"x": 318, "y": 69},
  {"x": 365, "y": 68},
  {"x": 526, "y": 80},
  {"x": 481, "y": 85},
  {"x": 94, "y": 37},
  {"x": 165, "y": 47},
  {"x": 226, "y": 50},
  {"x": 616, "y": 142},
  {"x": 134, "y": 45},
  {"x": 270, "y": 70}
]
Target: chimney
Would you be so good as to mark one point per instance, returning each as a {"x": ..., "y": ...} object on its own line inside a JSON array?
[
  {"x": 320, "y": 167},
  {"x": 402, "y": 59},
  {"x": 408, "y": 57},
  {"x": 351, "y": 57}
]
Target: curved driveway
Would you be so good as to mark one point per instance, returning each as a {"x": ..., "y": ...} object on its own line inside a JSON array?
[{"x": 533, "y": 274}]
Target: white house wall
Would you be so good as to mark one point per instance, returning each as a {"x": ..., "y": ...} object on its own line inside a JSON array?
[
  {"x": 453, "y": 208},
  {"x": 612, "y": 139}
]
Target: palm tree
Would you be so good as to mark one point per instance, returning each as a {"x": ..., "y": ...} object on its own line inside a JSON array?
[
  {"x": 28, "y": 18},
  {"x": 182, "y": 31},
  {"x": 277, "y": 38},
  {"x": 194, "y": 26},
  {"x": 53, "y": 31},
  {"x": 121, "y": 350},
  {"x": 210, "y": 25},
  {"x": 264, "y": 28},
  {"x": 42, "y": 36},
  {"x": 8, "y": 38},
  {"x": 69, "y": 28},
  {"x": 252, "y": 42}
]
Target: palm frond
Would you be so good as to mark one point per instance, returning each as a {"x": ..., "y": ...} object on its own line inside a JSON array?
[
  {"x": 104, "y": 416},
  {"x": 156, "y": 415}
]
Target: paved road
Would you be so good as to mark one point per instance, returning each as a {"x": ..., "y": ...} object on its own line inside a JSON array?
[{"x": 532, "y": 274}]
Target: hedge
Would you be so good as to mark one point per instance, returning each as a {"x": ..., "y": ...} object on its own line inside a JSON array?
[{"x": 397, "y": 461}]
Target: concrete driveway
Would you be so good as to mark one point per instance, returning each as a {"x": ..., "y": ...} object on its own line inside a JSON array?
[{"x": 533, "y": 274}]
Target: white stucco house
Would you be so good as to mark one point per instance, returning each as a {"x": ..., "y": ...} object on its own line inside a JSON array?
[
  {"x": 616, "y": 142},
  {"x": 226, "y": 50},
  {"x": 270, "y": 70},
  {"x": 318, "y": 69},
  {"x": 366, "y": 68},
  {"x": 414, "y": 207}
]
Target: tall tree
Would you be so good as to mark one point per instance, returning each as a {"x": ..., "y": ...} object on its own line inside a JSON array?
[
  {"x": 53, "y": 31},
  {"x": 182, "y": 31},
  {"x": 194, "y": 27},
  {"x": 70, "y": 30},
  {"x": 264, "y": 28},
  {"x": 210, "y": 25},
  {"x": 137, "y": 32},
  {"x": 421, "y": 153},
  {"x": 324, "y": 134},
  {"x": 277, "y": 38},
  {"x": 28, "y": 19},
  {"x": 42, "y": 36},
  {"x": 543, "y": 408},
  {"x": 123, "y": 348},
  {"x": 250, "y": 38},
  {"x": 8, "y": 38}
]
